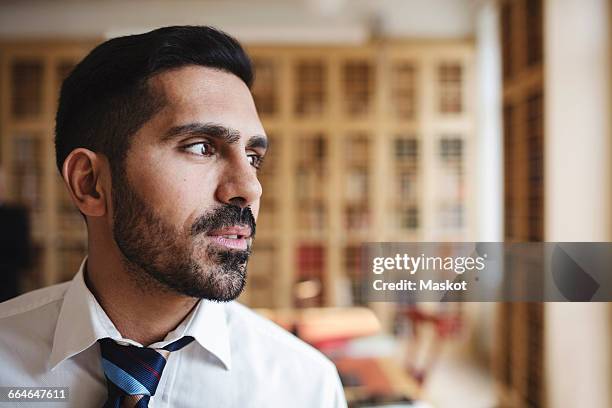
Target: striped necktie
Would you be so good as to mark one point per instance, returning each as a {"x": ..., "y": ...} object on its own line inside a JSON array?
[{"x": 133, "y": 373}]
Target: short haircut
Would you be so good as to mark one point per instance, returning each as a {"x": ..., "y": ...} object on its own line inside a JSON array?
[{"x": 106, "y": 98}]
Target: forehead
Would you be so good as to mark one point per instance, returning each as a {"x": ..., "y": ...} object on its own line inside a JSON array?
[{"x": 195, "y": 93}]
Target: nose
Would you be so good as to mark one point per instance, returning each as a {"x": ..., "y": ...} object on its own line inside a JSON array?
[{"x": 238, "y": 184}]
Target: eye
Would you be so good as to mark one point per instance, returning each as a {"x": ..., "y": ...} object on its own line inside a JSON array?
[
  {"x": 200, "y": 148},
  {"x": 255, "y": 160}
]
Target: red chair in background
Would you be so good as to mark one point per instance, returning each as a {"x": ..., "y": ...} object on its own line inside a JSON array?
[{"x": 447, "y": 324}]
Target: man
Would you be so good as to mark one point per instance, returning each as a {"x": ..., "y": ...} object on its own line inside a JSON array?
[{"x": 159, "y": 142}]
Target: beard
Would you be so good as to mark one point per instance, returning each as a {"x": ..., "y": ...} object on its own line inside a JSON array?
[{"x": 161, "y": 257}]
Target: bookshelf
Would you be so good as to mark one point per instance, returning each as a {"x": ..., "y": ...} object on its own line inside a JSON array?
[
  {"x": 376, "y": 146},
  {"x": 368, "y": 143},
  {"x": 30, "y": 77},
  {"x": 519, "y": 358}
]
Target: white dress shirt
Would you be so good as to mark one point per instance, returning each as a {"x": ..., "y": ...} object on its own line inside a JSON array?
[{"x": 48, "y": 338}]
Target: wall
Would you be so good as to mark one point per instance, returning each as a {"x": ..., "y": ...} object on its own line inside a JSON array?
[
  {"x": 276, "y": 21},
  {"x": 578, "y": 190}
]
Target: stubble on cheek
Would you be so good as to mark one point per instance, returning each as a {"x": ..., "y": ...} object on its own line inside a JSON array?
[{"x": 200, "y": 253}]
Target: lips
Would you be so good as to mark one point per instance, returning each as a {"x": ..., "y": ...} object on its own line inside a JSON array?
[
  {"x": 235, "y": 237},
  {"x": 234, "y": 232}
]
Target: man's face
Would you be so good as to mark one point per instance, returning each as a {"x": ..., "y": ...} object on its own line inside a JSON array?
[{"x": 184, "y": 209}]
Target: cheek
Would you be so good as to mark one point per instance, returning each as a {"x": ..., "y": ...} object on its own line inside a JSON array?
[{"x": 176, "y": 191}]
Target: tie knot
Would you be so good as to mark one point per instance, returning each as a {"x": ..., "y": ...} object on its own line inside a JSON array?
[{"x": 136, "y": 370}]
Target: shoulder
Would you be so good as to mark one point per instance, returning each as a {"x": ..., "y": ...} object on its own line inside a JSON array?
[
  {"x": 274, "y": 360},
  {"x": 27, "y": 328},
  {"x": 32, "y": 302},
  {"x": 31, "y": 315},
  {"x": 267, "y": 338}
]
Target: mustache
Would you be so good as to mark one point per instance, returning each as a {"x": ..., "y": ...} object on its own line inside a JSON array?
[{"x": 226, "y": 215}]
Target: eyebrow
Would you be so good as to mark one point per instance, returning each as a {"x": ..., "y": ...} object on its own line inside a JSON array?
[
  {"x": 216, "y": 131},
  {"x": 257, "y": 141}
]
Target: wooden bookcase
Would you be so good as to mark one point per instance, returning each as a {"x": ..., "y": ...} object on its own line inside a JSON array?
[
  {"x": 368, "y": 143},
  {"x": 519, "y": 358},
  {"x": 30, "y": 78}
]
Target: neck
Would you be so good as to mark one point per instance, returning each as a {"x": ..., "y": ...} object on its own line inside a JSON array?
[{"x": 143, "y": 313}]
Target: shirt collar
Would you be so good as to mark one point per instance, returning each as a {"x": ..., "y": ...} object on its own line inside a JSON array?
[{"x": 82, "y": 321}]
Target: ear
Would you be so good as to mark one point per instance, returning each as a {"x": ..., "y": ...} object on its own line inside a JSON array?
[{"x": 82, "y": 173}]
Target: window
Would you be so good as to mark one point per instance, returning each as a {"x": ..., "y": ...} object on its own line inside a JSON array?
[
  {"x": 264, "y": 87},
  {"x": 403, "y": 88},
  {"x": 358, "y": 88},
  {"x": 27, "y": 79},
  {"x": 311, "y": 83},
  {"x": 450, "y": 77}
]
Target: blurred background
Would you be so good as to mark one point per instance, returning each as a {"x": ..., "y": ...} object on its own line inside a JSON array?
[{"x": 389, "y": 120}]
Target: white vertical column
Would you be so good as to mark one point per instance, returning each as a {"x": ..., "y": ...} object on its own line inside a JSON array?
[
  {"x": 577, "y": 111},
  {"x": 488, "y": 184},
  {"x": 489, "y": 179},
  {"x": 578, "y": 190}
]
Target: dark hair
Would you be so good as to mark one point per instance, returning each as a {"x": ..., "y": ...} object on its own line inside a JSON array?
[{"x": 106, "y": 98}]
